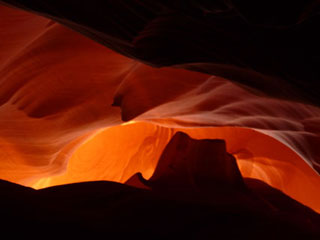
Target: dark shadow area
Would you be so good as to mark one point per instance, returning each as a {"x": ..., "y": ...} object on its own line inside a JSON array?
[
  {"x": 269, "y": 46},
  {"x": 196, "y": 192}
]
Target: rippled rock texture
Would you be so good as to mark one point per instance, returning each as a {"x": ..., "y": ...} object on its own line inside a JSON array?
[{"x": 95, "y": 91}]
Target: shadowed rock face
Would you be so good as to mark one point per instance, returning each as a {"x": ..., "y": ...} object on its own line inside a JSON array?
[
  {"x": 269, "y": 46},
  {"x": 178, "y": 202},
  {"x": 195, "y": 164}
]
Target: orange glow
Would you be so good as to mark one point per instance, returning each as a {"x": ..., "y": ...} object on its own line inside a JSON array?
[
  {"x": 116, "y": 153},
  {"x": 58, "y": 125}
]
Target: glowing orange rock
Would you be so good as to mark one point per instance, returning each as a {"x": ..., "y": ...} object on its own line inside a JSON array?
[{"x": 57, "y": 89}]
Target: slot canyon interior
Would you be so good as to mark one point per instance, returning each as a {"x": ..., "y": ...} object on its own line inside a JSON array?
[{"x": 160, "y": 119}]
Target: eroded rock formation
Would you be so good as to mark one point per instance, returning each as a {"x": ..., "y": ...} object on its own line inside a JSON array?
[
  {"x": 65, "y": 99},
  {"x": 196, "y": 192}
]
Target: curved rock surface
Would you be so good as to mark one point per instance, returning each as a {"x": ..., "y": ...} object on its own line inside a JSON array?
[
  {"x": 59, "y": 89},
  {"x": 270, "y": 46}
]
